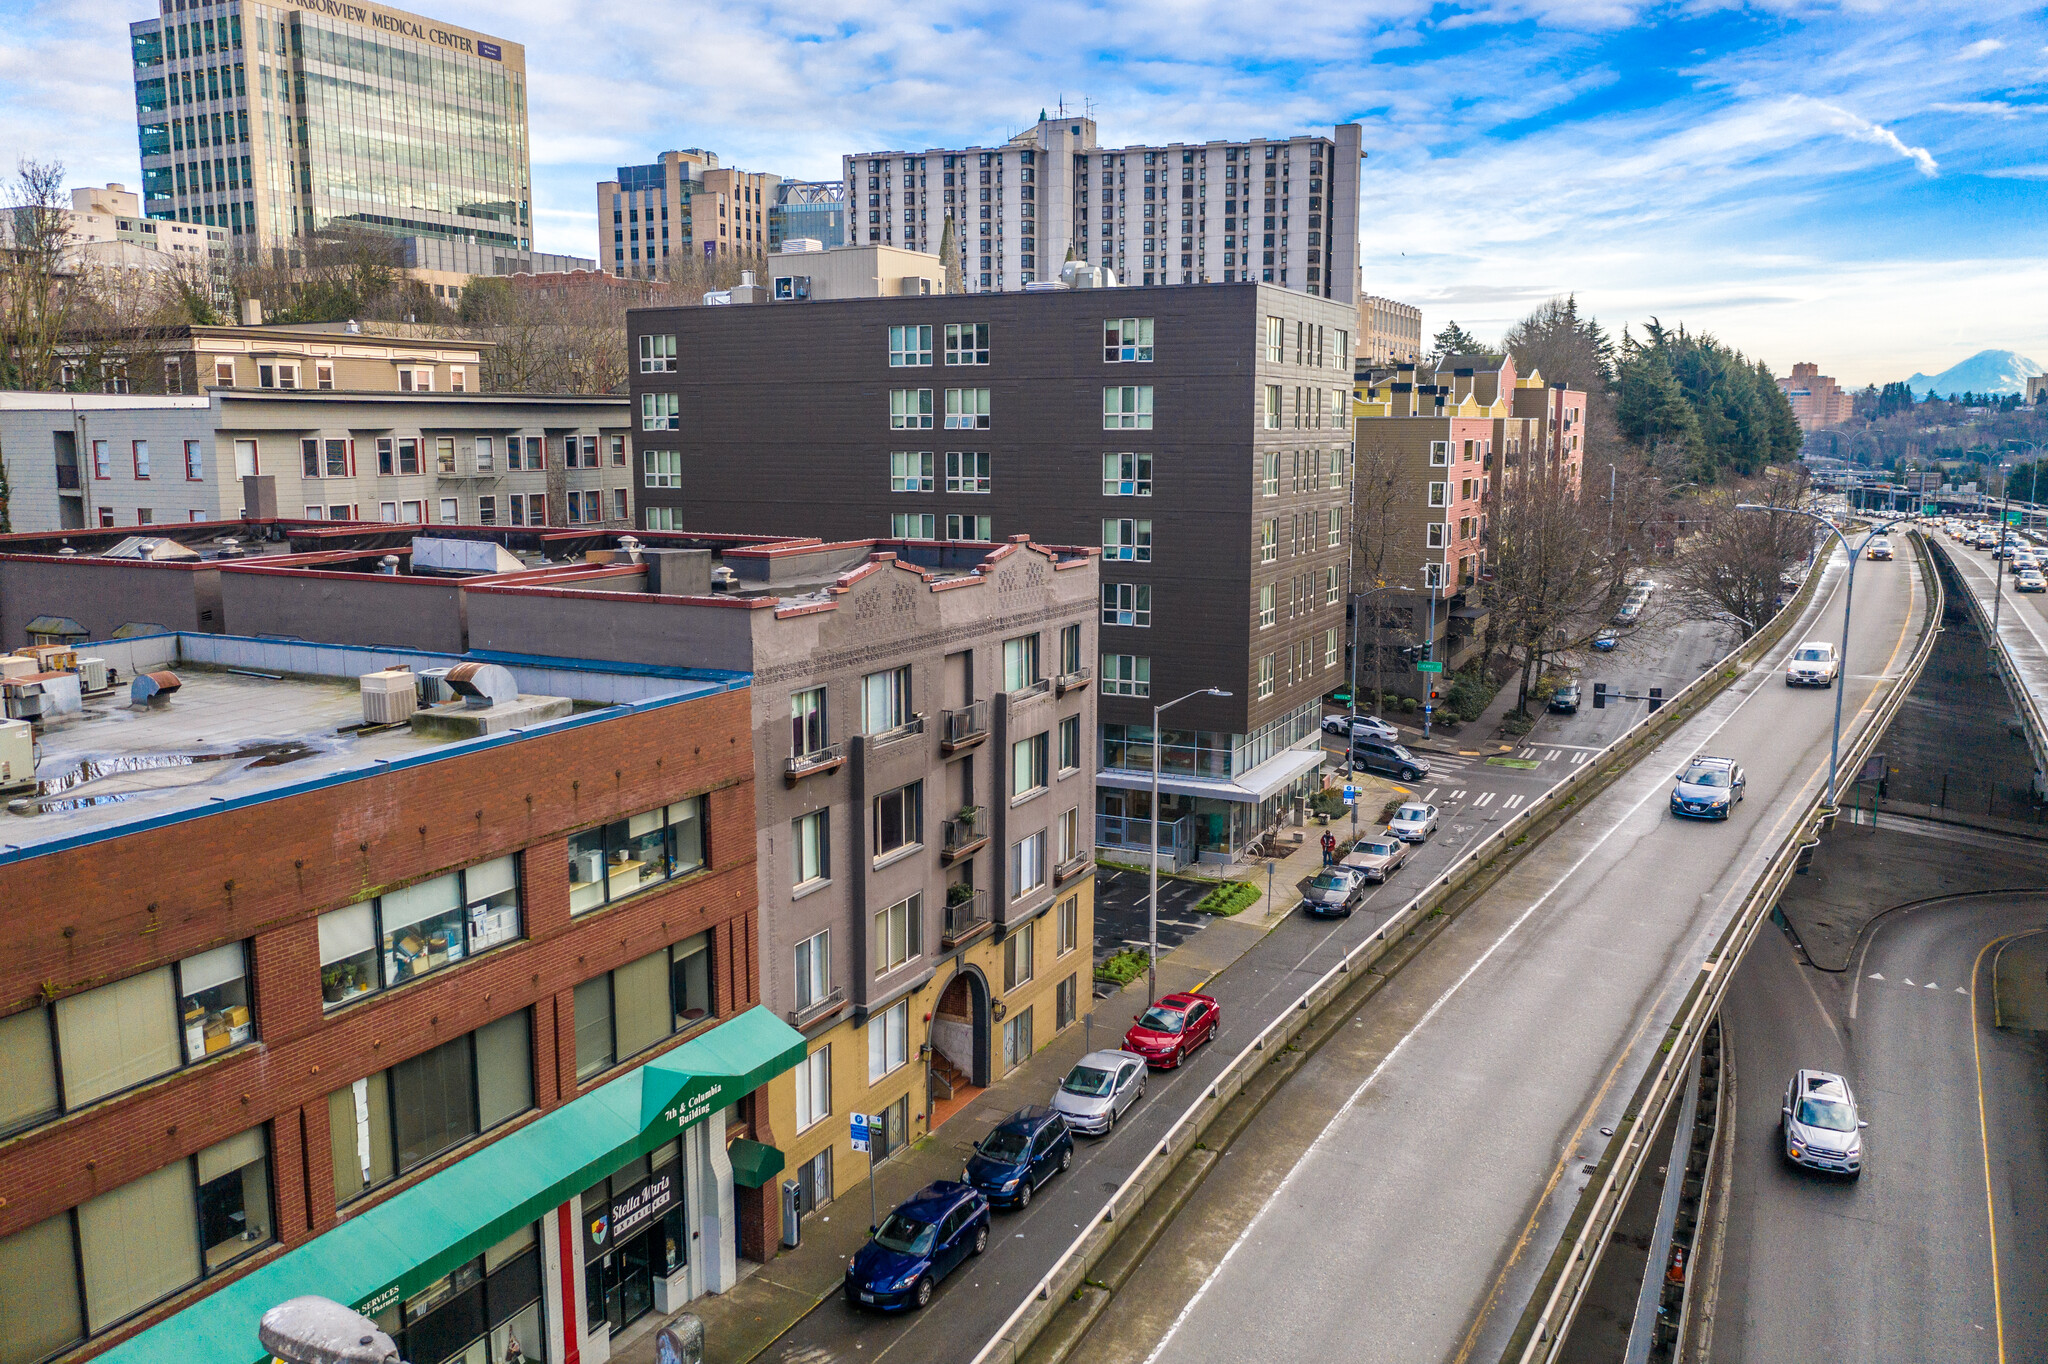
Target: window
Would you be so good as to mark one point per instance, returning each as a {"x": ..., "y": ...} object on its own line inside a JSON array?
[
  {"x": 174, "y": 375},
  {"x": 661, "y": 412},
  {"x": 1127, "y": 604},
  {"x": 1127, "y": 475},
  {"x": 807, "y": 722},
  {"x": 814, "y": 1088},
  {"x": 486, "y": 510},
  {"x": 139, "y": 454},
  {"x": 415, "y": 931},
  {"x": 444, "y": 455},
  {"x": 1017, "y": 956},
  {"x": 1017, "y": 1039},
  {"x": 102, "y": 461},
  {"x": 1269, "y": 610},
  {"x": 1126, "y": 675},
  {"x": 1070, "y": 744},
  {"x": 899, "y": 934},
  {"x": 967, "y": 471},
  {"x": 614, "y": 860},
  {"x": 1066, "y": 1001},
  {"x": 889, "y": 1040},
  {"x": 1028, "y": 766},
  {"x": 810, "y": 849},
  {"x": 1127, "y": 539},
  {"x": 1276, "y": 340},
  {"x": 399, "y": 1119},
  {"x": 1336, "y": 470},
  {"x": 1440, "y": 453},
  {"x": 223, "y": 372},
  {"x": 910, "y": 471},
  {"x": 1127, "y": 340},
  {"x": 1265, "y": 677},
  {"x": 1069, "y": 927},
  {"x": 617, "y": 447},
  {"x": 1128, "y": 408},
  {"x": 1269, "y": 540},
  {"x": 1070, "y": 650},
  {"x": 657, "y": 355},
  {"x": 1272, "y": 407},
  {"x": 967, "y": 409},
  {"x": 662, "y": 468},
  {"x": 899, "y": 819},
  {"x": 1329, "y": 587},
  {"x": 486, "y": 457},
  {"x": 909, "y": 346},
  {"x": 967, "y": 343},
  {"x": 910, "y": 409},
  {"x": 885, "y": 700},
  {"x": 1066, "y": 842},
  {"x": 1027, "y": 865},
  {"x": 245, "y": 458},
  {"x": 1020, "y": 662},
  {"x": 1269, "y": 483},
  {"x": 1438, "y": 494},
  {"x": 639, "y": 1005},
  {"x": 977, "y": 528},
  {"x": 814, "y": 970},
  {"x": 1340, "y": 409},
  {"x": 914, "y": 526},
  {"x": 323, "y": 376}
]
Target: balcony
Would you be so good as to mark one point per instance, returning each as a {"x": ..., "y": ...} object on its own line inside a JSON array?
[
  {"x": 914, "y": 725},
  {"x": 963, "y": 838},
  {"x": 964, "y": 727},
  {"x": 1073, "y": 681},
  {"x": 818, "y": 1009},
  {"x": 1031, "y": 691},
  {"x": 966, "y": 919},
  {"x": 801, "y": 765},
  {"x": 67, "y": 478},
  {"x": 1072, "y": 867}
]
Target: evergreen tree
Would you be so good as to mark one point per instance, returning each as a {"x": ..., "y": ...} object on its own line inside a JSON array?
[
  {"x": 1562, "y": 346},
  {"x": 949, "y": 258},
  {"x": 1455, "y": 340}
]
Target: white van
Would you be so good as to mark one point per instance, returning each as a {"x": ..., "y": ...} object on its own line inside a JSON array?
[{"x": 1813, "y": 664}]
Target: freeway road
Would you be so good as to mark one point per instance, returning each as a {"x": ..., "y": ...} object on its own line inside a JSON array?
[
  {"x": 1399, "y": 1199},
  {"x": 2023, "y": 620},
  {"x": 1898, "y": 1265}
]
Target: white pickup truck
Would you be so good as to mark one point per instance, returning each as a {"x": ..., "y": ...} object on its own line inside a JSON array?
[{"x": 1813, "y": 664}]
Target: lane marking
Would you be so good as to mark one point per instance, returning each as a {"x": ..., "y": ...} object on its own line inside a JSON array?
[
  {"x": 1511, "y": 802},
  {"x": 1984, "y": 1141},
  {"x": 1484, "y": 798}
]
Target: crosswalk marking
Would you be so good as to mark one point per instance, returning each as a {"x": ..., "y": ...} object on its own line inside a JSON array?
[
  {"x": 1511, "y": 802},
  {"x": 1430, "y": 794},
  {"x": 1932, "y": 986},
  {"x": 1578, "y": 759},
  {"x": 1458, "y": 794},
  {"x": 1484, "y": 798}
]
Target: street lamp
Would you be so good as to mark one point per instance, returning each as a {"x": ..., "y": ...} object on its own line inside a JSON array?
[
  {"x": 1855, "y": 552},
  {"x": 1152, "y": 897},
  {"x": 1432, "y": 578}
]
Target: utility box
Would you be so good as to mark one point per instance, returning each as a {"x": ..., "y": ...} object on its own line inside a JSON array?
[
  {"x": 792, "y": 1214},
  {"x": 389, "y": 697},
  {"x": 17, "y": 755}
]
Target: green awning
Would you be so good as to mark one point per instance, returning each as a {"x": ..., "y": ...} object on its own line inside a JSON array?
[
  {"x": 753, "y": 1164},
  {"x": 406, "y": 1242}
]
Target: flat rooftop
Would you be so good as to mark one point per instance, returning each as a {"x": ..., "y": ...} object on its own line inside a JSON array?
[{"x": 260, "y": 719}]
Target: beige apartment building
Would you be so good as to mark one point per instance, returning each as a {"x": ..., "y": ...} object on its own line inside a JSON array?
[
  {"x": 338, "y": 356},
  {"x": 1817, "y": 401},
  {"x": 1388, "y": 331},
  {"x": 801, "y": 270},
  {"x": 683, "y": 205}
]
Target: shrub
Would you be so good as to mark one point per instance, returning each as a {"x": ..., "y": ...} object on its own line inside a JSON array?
[
  {"x": 1228, "y": 899},
  {"x": 1407, "y": 705},
  {"x": 1121, "y": 968},
  {"x": 1468, "y": 695}
]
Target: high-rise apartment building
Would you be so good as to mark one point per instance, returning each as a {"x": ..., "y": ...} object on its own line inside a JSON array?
[
  {"x": 1388, "y": 331},
  {"x": 1817, "y": 400},
  {"x": 277, "y": 120},
  {"x": 684, "y": 204},
  {"x": 1271, "y": 211}
]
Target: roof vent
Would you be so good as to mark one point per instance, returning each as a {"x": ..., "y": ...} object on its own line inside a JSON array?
[
  {"x": 482, "y": 685},
  {"x": 723, "y": 579},
  {"x": 153, "y": 688},
  {"x": 388, "y": 565},
  {"x": 629, "y": 545}
]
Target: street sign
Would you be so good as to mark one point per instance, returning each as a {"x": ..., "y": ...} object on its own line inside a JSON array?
[
  {"x": 860, "y": 1131},
  {"x": 1430, "y": 665},
  {"x": 2013, "y": 518},
  {"x": 1350, "y": 795}
]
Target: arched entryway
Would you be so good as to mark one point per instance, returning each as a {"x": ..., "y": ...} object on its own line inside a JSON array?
[{"x": 960, "y": 1026}]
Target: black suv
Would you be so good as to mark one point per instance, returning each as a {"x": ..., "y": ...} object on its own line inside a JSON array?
[
  {"x": 1377, "y": 755},
  {"x": 1565, "y": 700}
]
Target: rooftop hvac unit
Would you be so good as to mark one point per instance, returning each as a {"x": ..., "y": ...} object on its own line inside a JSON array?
[
  {"x": 389, "y": 697},
  {"x": 94, "y": 676},
  {"x": 51, "y": 658},
  {"x": 482, "y": 685},
  {"x": 433, "y": 686},
  {"x": 42, "y": 696},
  {"x": 17, "y": 755},
  {"x": 149, "y": 687},
  {"x": 14, "y": 665}
]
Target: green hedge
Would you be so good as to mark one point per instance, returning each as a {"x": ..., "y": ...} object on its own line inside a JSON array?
[
  {"x": 1121, "y": 968},
  {"x": 1229, "y": 899}
]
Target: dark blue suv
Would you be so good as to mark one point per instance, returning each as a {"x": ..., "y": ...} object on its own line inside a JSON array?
[
  {"x": 1025, "y": 1149},
  {"x": 920, "y": 1243}
]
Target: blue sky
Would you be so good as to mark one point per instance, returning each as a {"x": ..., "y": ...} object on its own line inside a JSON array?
[{"x": 1859, "y": 184}]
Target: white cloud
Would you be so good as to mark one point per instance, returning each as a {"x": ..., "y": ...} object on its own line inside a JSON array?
[
  {"x": 1865, "y": 131},
  {"x": 1983, "y": 47}
]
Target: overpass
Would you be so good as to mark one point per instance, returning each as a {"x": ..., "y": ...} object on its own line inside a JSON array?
[{"x": 2021, "y": 650}]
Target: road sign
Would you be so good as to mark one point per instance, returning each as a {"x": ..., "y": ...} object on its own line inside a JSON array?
[
  {"x": 1430, "y": 665},
  {"x": 1350, "y": 795},
  {"x": 860, "y": 1131}
]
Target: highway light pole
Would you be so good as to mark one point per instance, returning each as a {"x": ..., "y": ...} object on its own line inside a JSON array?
[
  {"x": 1855, "y": 552},
  {"x": 1432, "y": 578},
  {"x": 1152, "y": 896}
]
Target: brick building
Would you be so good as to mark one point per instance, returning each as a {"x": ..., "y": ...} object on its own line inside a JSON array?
[{"x": 1818, "y": 402}]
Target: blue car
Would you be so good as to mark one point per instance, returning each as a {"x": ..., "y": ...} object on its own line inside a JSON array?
[
  {"x": 1708, "y": 788},
  {"x": 920, "y": 1243},
  {"x": 1025, "y": 1149}
]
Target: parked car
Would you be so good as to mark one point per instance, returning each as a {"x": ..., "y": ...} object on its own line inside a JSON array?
[
  {"x": 1360, "y": 725},
  {"x": 1880, "y": 548},
  {"x": 2030, "y": 580},
  {"x": 1333, "y": 890},
  {"x": 1413, "y": 823},
  {"x": 1820, "y": 1124},
  {"x": 917, "y": 1245},
  {"x": 1606, "y": 640},
  {"x": 1565, "y": 700},
  {"x": 1099, "y": 1089},
  {"x": 1813, "y": 664},
  {"x": 1375, "y": 857},
  {"x": 1390, "y": 759},
  {"x": 1020, "y": 1153},
  {"x": 1707, "y": 789},
  {"x": 1165, "y": 1033}
]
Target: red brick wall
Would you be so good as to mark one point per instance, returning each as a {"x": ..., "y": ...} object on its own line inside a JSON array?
[{"x": 83, "y": 917}]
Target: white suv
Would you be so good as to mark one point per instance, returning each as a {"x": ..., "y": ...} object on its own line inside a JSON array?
[
  {"x": 1813, "y": 664},
  {"x": 1821, "y": 1126}
]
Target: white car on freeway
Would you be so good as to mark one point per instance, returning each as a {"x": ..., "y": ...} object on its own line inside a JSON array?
[{"x": 1813, "y": 664}]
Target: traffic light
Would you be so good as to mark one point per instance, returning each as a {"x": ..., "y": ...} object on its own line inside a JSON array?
[
  {"x": 1599, "y": 696},
  {"x": 1435, "y": 694}
]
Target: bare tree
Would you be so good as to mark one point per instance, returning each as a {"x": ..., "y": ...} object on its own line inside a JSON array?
[
  {"x": 1376, "y": 488},
  {"x": 38, "y": 291},
  {"x": 561, "y": 341},
  {"x": 1552, "y": 574},
  {"x": 1735, "y": 561}
]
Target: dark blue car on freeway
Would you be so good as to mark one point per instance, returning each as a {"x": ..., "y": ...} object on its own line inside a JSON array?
[
  {"x": 920, "y": 1243},
  {"x": 1022, "y": 1152}
]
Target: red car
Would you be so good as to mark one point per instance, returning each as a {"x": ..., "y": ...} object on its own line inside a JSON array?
[{"x": 1170, "y": 1029}]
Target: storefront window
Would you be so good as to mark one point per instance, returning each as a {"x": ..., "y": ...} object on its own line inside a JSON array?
[
  {"x": 613, "y": 861},
  {"x": 487, "y": 1311},
  {"x": 633, "y": 1233}
]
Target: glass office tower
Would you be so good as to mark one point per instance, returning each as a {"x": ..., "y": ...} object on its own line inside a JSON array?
[{"x": 274, "y": 121}]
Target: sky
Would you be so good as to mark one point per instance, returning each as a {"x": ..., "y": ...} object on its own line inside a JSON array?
[{"x": 1863, "y": 185}]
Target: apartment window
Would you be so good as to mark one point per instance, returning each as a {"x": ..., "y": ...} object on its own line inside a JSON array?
[
  {"x": 1265, "y": 677},
  {"x": 1027, "y": 865},
  {"x": 138, "y": 453},
  {"x": 617, "y": 447},
  {"x": 1127, "y": 604},
  {"x": 1329, "y": 587},
  {"x": 910, "y": 409},
  {"x": 486, "y": 456},
  {"x": 909, "y": 346},
  {"x": 1126, "y": 675},
  {"x": 1276, "y": 340},
  {"x": 614, "y": 860},
  {"x": 1028, "y": 766},
  {"x": 1127, "y": 340},
  {"x": 444, "y": 455},
  {"x": 1127, "y": 475},
  {"x": 1336, "y": 470},
  {"x": 1269, "y": 483},
  {"x": 914, "y": 526},
  {"x": 486, "y": 510},
  {"x": 911, "y": 471},
  {"x": 810, "y": 846},
  {"x": 1127, "y": 539},
  {"x": 639, "y": 1005},
  {"x": 1440, "y": 453},
  {"x": 967, "y": 471},
  {"x": 807, "y": 722},
  {"x": 967, "y": 409},
  {"x": 1066, "y": 1001},
  {"x": 1269, "y": 540},
  {"x": 657, "y": 355},
  {"x": 413, "y": 932},
  {"x": 1273, "y": 407},
  {"x": 174, "y": 375},
  {"x": 194, "y": 464},
  {"x": 1127, "y": 408},
  {"x": 977, "y": 528},
  {"x": 813, "y": 970},
  {"x": 1439, "y": 494},
  {"x": 814, "y": 1085},
  {"x": 102, "y": 460},
  {"x": 1070, "y": 650},
  {"x": 889, "y": 1040},
  {"x": 899, "y": 934},
  {"x": 1335, "y": 527},
  {"x": 223, "y": 373},
  {"x": 1018, "y": 954},
  {"x": 899, "y": 819},
  {"x": 1017, "y": 1043},
  {"x": 398, "y": 1119},
  {"x": 408, "y": 455},
  {"x": 1020, "y": 662},
  {"x": 885, "y": 700},
  {"x": 661, "y": 412},
  {"x": 1070, "y": 744},
  {"x": 323, "y": 376},
  {"x": 967, "y": 343},
  {"x": 661, "y": 468},
  {"x": 1340, "y": 408},
  {"x": 1269, "y": 611}
]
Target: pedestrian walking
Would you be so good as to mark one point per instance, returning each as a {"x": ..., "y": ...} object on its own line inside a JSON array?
[{"x": 1329, "y": 849}]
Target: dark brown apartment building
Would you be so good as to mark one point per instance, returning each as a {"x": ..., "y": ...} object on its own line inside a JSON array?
[{"x": 1200, "y": 435}]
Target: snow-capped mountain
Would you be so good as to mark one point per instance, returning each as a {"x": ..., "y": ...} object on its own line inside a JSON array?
[{"x": 1988, "y": 371}]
